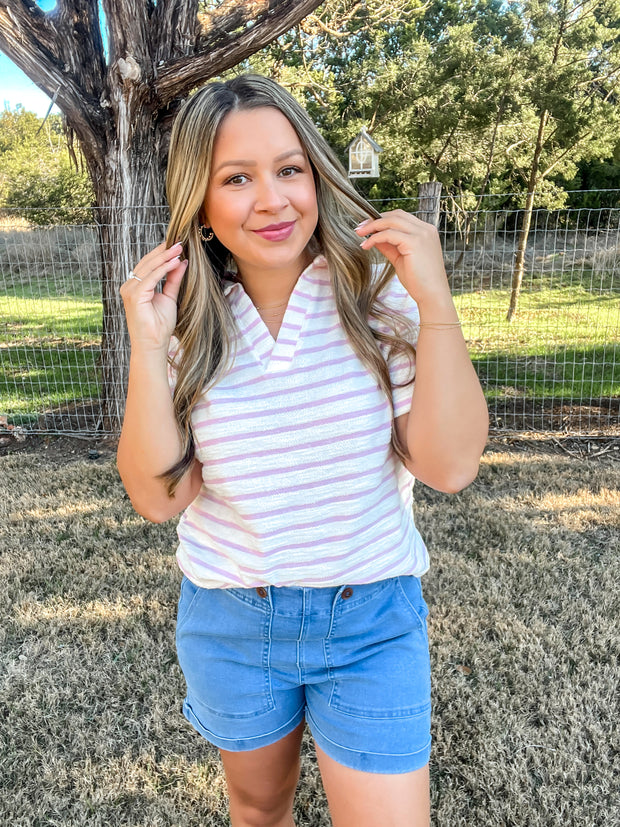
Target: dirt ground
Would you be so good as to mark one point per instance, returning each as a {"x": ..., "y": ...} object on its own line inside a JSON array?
[{"x": 60, "y": 449}]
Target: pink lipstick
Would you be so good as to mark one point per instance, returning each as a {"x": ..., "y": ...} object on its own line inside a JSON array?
[{"x": 276, "y": 232}]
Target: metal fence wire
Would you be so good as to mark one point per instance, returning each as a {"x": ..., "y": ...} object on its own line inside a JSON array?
[{"x": 553, "y": 368}]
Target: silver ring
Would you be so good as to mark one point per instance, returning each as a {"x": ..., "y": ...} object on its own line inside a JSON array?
[{"x": 132, "y": 275}]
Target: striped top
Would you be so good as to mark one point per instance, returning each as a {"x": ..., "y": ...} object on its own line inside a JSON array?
[{"x": 300, "y": 484}]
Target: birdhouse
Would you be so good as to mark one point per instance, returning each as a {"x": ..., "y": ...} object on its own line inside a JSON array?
[{"x": 363, "y": 156}]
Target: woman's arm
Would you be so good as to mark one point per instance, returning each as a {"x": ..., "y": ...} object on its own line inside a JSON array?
[
  {"x": 150, "y": 441},
  {"x": 446, "y": 429}
]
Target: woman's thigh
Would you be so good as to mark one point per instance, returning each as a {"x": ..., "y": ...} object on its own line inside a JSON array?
[
  {"x": 265, "y": 779},
  {"x": 366, "y": 799}
]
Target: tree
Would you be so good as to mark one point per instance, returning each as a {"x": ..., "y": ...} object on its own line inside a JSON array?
[
  {"x": 436, "y": 83},
  {"x": 120, "y": 99},
  {"x": 37, "y": 176},
  {"x": 573, "y": 61}
]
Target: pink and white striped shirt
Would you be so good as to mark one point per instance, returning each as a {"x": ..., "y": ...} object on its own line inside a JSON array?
[{"x": 300, "y": 485}]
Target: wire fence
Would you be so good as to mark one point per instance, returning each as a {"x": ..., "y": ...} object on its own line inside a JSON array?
[{"x": 553, "y": 368}]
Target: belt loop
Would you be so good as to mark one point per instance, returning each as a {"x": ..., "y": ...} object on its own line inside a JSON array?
[{"x": 334, "y": 605}]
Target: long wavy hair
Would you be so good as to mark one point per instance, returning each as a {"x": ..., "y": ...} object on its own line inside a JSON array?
[{"x": 205, "y": 325}]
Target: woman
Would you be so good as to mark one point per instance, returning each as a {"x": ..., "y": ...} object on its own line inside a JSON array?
[{"x": 290, "y": 442}]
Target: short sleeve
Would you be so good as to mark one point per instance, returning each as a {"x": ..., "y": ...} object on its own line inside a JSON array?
[{"x": 402, "y": 370}]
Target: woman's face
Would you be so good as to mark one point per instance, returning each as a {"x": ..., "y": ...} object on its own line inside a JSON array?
[{"x": 261, "y": 198}]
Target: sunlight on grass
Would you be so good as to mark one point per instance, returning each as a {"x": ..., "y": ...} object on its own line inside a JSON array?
[
  {"x": 563, "y": 343},
  {"x": 49, "y": 353},
  {"x": 60, "y": 608}
]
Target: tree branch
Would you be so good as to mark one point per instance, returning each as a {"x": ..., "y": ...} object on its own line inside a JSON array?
[
  {"x": 221, "y": 48},
  {"x": 31, "y": 39}
]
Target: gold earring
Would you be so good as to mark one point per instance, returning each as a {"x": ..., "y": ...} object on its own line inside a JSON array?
[{"x": 210, "y": 236}]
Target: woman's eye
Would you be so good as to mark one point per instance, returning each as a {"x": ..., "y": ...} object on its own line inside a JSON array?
[
  {"x": 236, "y": 179},
  {"x": 287, "y": 172}
]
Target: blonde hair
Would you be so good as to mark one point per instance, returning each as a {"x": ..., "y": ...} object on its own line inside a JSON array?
[{"x": 205, "y": 324}]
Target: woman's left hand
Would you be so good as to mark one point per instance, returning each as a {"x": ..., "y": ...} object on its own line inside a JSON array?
[{"x": 413, "y": 247}]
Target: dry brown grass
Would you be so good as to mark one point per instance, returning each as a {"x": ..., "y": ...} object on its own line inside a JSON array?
[{"x": 524, "y": 604}]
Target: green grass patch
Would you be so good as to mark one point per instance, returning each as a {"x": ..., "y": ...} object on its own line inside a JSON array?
[
  {"x": 562, "y": 344},
  {"x": 49, "y": 350}
]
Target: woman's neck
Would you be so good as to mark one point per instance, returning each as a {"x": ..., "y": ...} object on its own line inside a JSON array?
[{"x": 271, "y": 289}]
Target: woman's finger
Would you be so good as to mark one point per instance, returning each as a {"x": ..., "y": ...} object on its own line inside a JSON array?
[
  {"x": 156, "y": 259},
  {"x": 147, "y": 278},
  {"x": 173, "y": 280},
  {"x": 397, "y": 219},
  {"x": 402, "y": 241}
]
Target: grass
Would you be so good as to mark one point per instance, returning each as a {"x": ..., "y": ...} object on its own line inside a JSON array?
[
  {"x": 525, "y": 652},
  {"x": 50, "y": 348},
  {"x": 563, "y": 343}
]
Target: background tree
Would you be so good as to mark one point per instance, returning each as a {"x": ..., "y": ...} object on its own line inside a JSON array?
[
  {"x": 37, "y": 175},
  {"x": 437, "y": 85},
  {"x": 119, "y": 102},
  {"x": 573, "y": 64}
]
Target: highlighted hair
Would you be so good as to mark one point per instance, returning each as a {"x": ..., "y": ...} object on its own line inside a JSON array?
[{"x": 205, "y": 324}]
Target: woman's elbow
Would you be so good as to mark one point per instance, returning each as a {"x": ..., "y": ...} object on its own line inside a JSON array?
[
  {"x": 152, "y": 513},
  {"x": 456, "y": 481},
  {"x": 448, "y": 480}
]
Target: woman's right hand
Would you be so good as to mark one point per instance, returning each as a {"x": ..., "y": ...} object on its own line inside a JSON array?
[{"x": 151, "y": 315}]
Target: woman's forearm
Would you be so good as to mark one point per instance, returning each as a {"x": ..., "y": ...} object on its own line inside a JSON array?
[
  {"x": 150, "y": 441},
  {"x": 448, "y": 423}
]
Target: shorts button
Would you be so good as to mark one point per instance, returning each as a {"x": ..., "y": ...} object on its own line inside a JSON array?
[
  {"x": 261, "y": 592},
  {"x": 346, "y": 594}
]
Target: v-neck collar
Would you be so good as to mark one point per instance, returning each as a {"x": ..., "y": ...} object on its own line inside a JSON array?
[{"x": 276, "y": 354}]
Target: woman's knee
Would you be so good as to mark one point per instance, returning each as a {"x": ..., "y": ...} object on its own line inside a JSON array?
[{"x": 263, "y": 804}]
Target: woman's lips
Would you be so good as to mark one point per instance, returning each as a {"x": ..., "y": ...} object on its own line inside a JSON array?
[{"x": 276, "y": 232}]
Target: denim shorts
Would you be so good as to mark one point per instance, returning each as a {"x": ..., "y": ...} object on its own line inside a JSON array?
[{"x": 353, "y": 661}]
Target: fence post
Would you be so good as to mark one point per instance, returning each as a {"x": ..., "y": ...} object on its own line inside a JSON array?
[{"x": 429, "y": 202}]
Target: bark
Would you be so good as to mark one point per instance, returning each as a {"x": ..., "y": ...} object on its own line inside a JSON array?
[
  {"x": 121, "y": 107},
  {"x": 534, "y": 179}
]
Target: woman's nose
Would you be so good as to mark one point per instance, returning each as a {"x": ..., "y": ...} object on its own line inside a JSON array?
[{"x": 269, "y": 197}]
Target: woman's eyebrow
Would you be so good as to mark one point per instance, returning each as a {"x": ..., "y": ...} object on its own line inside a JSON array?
[{"x": 245, "y": 163}]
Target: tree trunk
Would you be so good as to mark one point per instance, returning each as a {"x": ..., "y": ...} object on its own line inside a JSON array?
[
  {"x": 517, "y": 273},
  {"x": 131, "y": 220},
  {"x": 121, "y": 105},
  {"x": 429, "y": 202}
]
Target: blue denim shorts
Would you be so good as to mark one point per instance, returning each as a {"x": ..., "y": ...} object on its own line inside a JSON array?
[{"x": 352, "y": 660}]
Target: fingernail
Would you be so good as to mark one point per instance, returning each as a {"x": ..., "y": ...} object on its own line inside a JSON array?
[
  {"x": 367, "y": 221},
  {"x": 177, "y": 246}
]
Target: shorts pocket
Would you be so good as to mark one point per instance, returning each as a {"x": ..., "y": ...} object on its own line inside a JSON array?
[
  {"x": 379, "y": 660},
  {"x": 189, "y": 596},
  {"x": 410, "y": 592},
  {"x": 223, "y": 651}
]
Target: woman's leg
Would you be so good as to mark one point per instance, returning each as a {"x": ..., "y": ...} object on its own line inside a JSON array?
[
  {"x": 366, "y": 799},
  {"x": 262, "y": 782}
]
